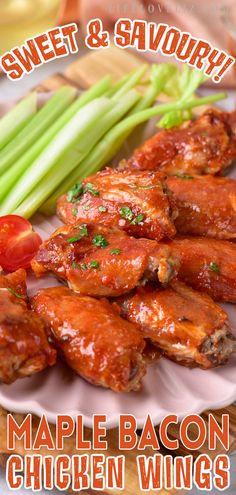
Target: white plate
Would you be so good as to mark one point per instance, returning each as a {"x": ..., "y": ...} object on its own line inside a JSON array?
[{"x": 167, "y": 388}]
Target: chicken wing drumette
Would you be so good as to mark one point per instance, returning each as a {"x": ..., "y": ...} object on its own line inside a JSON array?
[
  {"x": 206, "y": 145},
  {"x": 207, "y": 265},
  {"x": 101, "y": 261},
  {"x": 93, "y": 339},
  {"x": 206, "y": 205},
  {"x": 24, "y": 349},
  {"x": 133, "y": 201},
  {"x": 188, "y": 327}
]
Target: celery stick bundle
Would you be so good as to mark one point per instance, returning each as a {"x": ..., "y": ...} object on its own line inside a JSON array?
[{"x": 71, "y": 137}]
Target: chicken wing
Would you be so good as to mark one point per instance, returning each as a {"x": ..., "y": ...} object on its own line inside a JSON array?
[
  {"x": 206, "y": 205},
  {"x": 135, "y": 202},
  {"x": 24, "y": 349},
  {"x": 186, "y": 326},
  {"x": 206, "y": 145},
  {"x": 207, "y": 265},
  {"x": 94, "y": 340},
  {"x": 101, "y": 261}
]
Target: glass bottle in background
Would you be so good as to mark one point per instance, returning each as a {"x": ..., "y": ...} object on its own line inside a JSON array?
[{"x": 22, "y": 19}]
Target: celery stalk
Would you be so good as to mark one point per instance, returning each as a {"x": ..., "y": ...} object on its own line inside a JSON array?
[
  {"x": 16, "y": 118},
  {"x": 37, "y": 126},
  {"x": 132, "y": 81},
  {"x": 117, "y": 85},
  {"x": 108, "y": 146},
  {"x": 69, "y": 161},
  {"x": 74, "y": 135},
  {"x": 10, "y": 176}
]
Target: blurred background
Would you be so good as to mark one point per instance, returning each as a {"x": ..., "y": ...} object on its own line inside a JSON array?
[{"x": 213, "y": 20}]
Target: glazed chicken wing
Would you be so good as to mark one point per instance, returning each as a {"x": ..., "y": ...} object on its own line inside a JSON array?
[
  {"x": 94, "y": 340},
  {"x": 186, "y": 326},
  {"x": 206, "y": 205},
  {"x": 101, "y": 261},
  {"x": 24, "y": 349},
  {"x": 208, "y": 265},
  {"x": 206, "y": 145},
  {"x": 135, "y": 202}
]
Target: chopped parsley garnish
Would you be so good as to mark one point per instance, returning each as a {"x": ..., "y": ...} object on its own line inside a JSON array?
[
  {"x": 115, "y": 251},
  {"x": 74, "y": 211},
  {"x": 83, "y": 230},
  {"x": 126, "y": 212},
  {"x": 138, "y": 219},
  {"x": 74, "y": 239},
  {"x": 99, "y": 241},
  {"x": 102, "y": 209},
  {"x": 94, "y": 264},
  {"x": 75, "y": 265},
  {"x": 90, "y": 188},
  {"x": 214, "y": 267},
  {"x": 83, "y": 266},
  {"x": 75, "y": 193},
  {"x": 86, "y": 207},
  {"x": 184, "y": 176},
  {"x": 12, "y": 291}
]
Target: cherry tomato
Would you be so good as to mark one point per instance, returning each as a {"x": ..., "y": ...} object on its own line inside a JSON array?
[{"x": 18, "y": 242}]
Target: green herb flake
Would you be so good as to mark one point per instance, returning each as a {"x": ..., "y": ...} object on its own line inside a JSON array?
[
  {"x": 86, "y": 207},
  {"x": 102, "y": 209},
  {"x": 83, "y": 230},
  {"x": 184, "y": 176},
  {"x": 75, "y": 265},
  {"x": 99, "y": 241},
  {"x": 214, "y": 267},
  {"x": 75, "y": 193},
  {"x": 94, "y": 264},
  {"x": 14, "y": 293},
  {"x": 83, "y": 266},
  {"x": 138, "y": 219},
  {"x": 90, "y": 188},
  {"x": 126, "y": 213},
  {"x": 74, "y": 239},
  {"x": 74, "y": 211},
  {"x": 115, "y": 251}
]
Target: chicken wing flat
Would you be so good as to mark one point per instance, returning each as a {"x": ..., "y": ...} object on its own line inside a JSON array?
[
  {"x": 101, "y": 261},
  {"x": 135, "y": 202},
  {"x": 206, "y": 145},
  {"x": 24, "y": 349},
  {"x": 208, "y": 265},
  {"x": 94, "y": 340},
  {"x": 186, "y": 326},
  {"x": 206, "y": 205}
]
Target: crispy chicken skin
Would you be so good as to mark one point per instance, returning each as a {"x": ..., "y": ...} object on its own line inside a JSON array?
[
  {"x": 94, "y": 340},
  {"x": 206, "y": 205},
  {"x": 101, "y": 261},
  {"x": 206, "y": 145},
  {"x": 24, "y": 349},
  {"x": 207, "y": 265},
  {"x": 188, "y": 327},
  {"x": 133, "y": 201}
]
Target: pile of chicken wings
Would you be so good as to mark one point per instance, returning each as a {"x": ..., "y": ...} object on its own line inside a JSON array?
[{"x": 146, "y": 253}]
